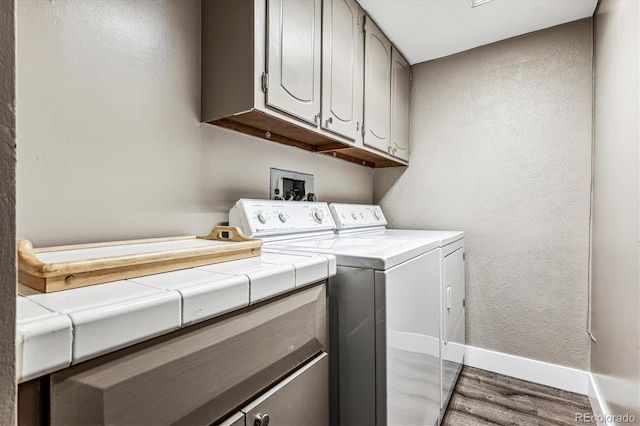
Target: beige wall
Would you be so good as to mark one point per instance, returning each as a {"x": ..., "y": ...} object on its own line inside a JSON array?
[
  {"x": 615, "y": 356},
  {"x": 501, "y": 148},
  {"x": 7, "y": 213},
  {"x": 110, "y": 145}
]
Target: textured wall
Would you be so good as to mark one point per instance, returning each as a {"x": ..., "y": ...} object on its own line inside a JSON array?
[
  {"x": 501, "y": 148},
  {"x": 7, "y": 213},
  {"x": 110, "y": 144},
  {"x": 615, "y": 356}
]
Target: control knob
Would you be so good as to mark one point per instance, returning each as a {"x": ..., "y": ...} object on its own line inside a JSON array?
[
  {"x": 318, "y": 215},
  {"x": 376, "y": 215},
  {"x": 354, "y": 215},
  {"x": 283, "y": 216},
  {"x": 263, "y": 217}
]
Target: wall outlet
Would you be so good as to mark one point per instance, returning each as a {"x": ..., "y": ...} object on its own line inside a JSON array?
[{"x": 291, "y": 186}]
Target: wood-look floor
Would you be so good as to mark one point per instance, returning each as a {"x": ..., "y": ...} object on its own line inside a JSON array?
[{"x": 485, "y": 398}]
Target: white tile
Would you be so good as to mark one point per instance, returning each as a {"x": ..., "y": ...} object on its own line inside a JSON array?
[
  {"x": 109, "y": 328},
  {"x": 280, "y": 258},
  {"x": 110, "y": 316},
  {"x": 270, "y": 282},
  {"x": 333, "y": 264},
  {"x": 204, "y": 294},
  {"x": 236, "y": 267},
  {"x": 43, "y": 340},
  {"x": 28, "y": 310},
  {"x": 265, "y": 279},
  {"x": 309, "y": 269},
  {"x": 83, "y": 298},
  {"x": 202, "y": 302},
  {"x": 176, "y": 280}
]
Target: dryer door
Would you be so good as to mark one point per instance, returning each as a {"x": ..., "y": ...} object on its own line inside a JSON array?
[
  {"x": 453, "y": 292},
  {"x": 453, "y": 347}
]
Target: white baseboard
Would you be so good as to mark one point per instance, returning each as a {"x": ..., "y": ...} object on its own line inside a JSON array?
[
  {"x": 598, "y": 405},
  {"x": 557, "y": 376}
]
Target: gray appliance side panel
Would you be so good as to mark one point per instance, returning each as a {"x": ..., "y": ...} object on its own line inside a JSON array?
[
  {"x": 381, "y": 349},
  {"x": 352, "y": 348}
]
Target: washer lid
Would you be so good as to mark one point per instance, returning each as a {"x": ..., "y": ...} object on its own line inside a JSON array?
[
  {"x": 443, "y": 237},
  {"x": 379, "y": 252}
]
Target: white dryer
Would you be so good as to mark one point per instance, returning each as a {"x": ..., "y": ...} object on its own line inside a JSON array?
[
  {"x": 384, "y": 316},
  {"x": 369, "y": 220}
]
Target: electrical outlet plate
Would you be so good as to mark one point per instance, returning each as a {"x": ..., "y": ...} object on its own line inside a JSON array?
[{"x": 290, "y": 185}]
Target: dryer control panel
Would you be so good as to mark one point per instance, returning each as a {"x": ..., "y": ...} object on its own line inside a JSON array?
[
  {"x": 260, "y": 218},
  {"x": 350, "y": 216}
]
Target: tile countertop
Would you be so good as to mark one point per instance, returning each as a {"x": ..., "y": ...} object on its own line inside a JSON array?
[{"x": 56, "y": 330}]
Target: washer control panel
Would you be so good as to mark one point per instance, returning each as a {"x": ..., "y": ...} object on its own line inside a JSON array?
[
  {"x": 258, "y": 218},
  {"x": 348, "y": 216}
]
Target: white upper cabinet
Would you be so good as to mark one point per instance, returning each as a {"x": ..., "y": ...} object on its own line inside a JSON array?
[
  {"x": 400, "y": 94},
  {"x": 293, "y": 57},
  {"x": 342, "y": 75},
  {"x": 377, "y": 89}
]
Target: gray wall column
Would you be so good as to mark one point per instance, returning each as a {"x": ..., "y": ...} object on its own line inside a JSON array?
[{"x": 7, "y": 213}]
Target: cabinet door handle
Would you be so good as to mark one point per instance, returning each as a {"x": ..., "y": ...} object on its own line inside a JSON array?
[
  {"x": 328, "y": 121},
  {"x": 262, "y": 420},
  {"x": 316, "y": 118}
]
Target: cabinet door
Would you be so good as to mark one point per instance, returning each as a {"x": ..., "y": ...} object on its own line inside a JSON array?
[
  {"x": 302, "y": 399},
  {"x": 342, "y": 56},
  {"x": 293, "y": 57},
  {"x": 377, "y": 82},
  {"x": 400, "y": 94}
]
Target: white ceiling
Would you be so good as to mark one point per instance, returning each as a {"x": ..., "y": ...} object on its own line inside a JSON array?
[{"x": 428, "y": 29}]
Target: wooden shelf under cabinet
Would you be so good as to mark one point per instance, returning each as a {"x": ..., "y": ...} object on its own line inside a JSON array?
[{"x": 257, "y": 123}]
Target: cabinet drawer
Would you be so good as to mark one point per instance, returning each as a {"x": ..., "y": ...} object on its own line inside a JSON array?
[
  {"x": 302, "y": 399},
  {"x": 197, "y": 375}
]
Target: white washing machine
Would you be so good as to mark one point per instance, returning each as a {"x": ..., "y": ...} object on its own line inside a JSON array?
[
  {"x": 384, "y": 314},
  {"x": 369, "y": 220}
]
